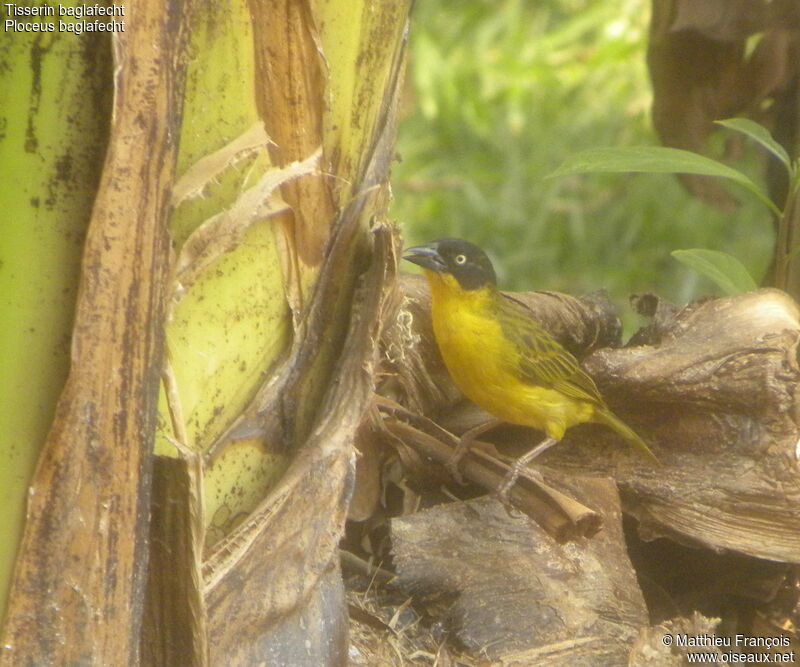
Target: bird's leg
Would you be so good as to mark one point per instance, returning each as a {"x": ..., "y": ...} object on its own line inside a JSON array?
[
  {"x": 519, "y": 465},
  {"x": 465, "y": 442}
]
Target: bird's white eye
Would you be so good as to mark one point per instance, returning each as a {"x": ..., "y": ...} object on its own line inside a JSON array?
[{"x": 460, "y": 259}]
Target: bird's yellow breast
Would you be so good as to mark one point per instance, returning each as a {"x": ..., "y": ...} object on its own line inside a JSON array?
[{"x": 484, "y": 363}]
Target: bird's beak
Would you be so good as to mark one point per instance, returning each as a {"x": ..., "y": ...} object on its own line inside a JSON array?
[{"x": 426, "y": 256}]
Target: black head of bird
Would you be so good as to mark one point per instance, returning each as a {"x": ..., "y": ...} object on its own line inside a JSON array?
[{"x": 463, "y": 260}]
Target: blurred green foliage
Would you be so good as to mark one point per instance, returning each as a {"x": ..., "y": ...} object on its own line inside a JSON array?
[{"x": 500, "y": 93}]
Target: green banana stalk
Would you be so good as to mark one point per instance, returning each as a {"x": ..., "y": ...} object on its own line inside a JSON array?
[
  {"x": 272, "y": 298},
  {"x": 55, "y": 121}
]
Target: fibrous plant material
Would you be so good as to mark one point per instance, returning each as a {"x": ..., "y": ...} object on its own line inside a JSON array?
[
  {"x": 711, "y": 386},
  {"x": 269, "y": 170},
  {"x": 81, "y": 570}
]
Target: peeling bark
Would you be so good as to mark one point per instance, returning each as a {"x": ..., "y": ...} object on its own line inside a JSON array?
[
  {"x": 712, "y": 387},
  {"x": 78, "y": 588}
]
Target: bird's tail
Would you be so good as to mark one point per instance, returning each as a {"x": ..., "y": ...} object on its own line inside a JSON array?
[{"x": 605, "y": 416}]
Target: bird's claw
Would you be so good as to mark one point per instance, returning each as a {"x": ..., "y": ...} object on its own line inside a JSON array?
[
  {"x": 503, "y": 491},
  {"x": 502, "y": 495},
  {"x": 464, "y": 444},
  {"x": 451, "y": 465},
  {"x": 518, "y": 469}
]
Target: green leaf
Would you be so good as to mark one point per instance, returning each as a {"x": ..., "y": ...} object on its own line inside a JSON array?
[
  {"x": 759, "y": 134},
  {"x": 724, "y": 269},
  {"x": 655, "y": 160}
]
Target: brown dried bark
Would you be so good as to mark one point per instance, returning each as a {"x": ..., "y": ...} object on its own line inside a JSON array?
[
  {"x": 712, "y": 387},
  {"x": 78, "y": 588},
  {"x": 702, "y": 72}
]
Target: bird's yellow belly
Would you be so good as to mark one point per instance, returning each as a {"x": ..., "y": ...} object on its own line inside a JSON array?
[{"x": 483, "y": 365}]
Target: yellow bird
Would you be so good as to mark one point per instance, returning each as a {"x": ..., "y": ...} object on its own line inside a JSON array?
[{"x": 501, "y": 358}]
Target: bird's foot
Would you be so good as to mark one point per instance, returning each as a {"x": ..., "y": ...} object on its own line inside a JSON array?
[
  {"x": 502, "y": 491},
  {"x": 465, "y": 442},
  {"x": 517, "y": 468},
  {"x": 451, "y": 465}
]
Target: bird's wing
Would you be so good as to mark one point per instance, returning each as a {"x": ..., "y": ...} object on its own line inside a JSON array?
[{"x": 542, "y": 360}]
